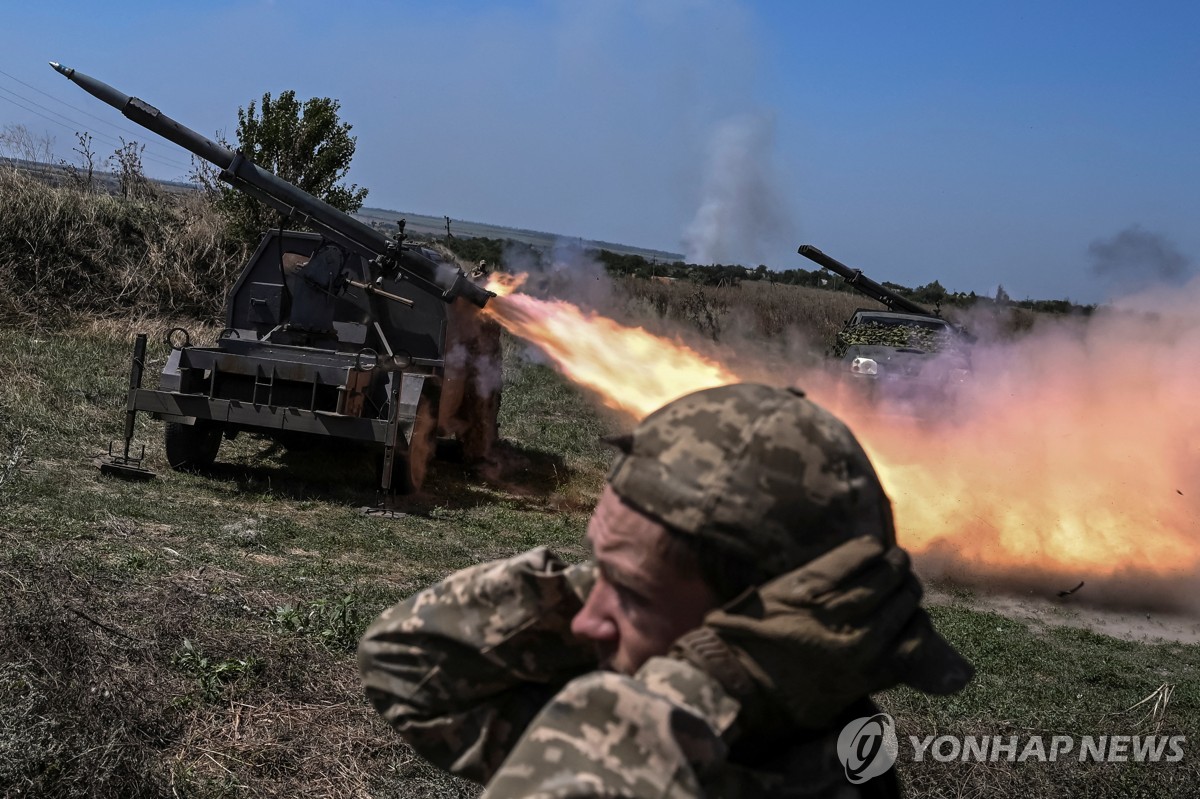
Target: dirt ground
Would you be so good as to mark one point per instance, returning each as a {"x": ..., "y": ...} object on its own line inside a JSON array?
[{"x": 1075, "y": 611}]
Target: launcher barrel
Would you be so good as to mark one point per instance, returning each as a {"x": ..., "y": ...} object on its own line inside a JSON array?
[
  {"x": 246, "y": 176},
  {"x": 864, "y": 284}
]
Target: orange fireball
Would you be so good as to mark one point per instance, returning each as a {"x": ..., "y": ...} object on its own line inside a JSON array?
[{"x": 1074, "y": 455}]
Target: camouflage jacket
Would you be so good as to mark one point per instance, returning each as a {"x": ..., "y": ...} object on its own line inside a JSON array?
[{"x": 481, "y": 675}]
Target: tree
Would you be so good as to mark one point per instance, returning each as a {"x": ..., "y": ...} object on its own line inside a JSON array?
[
  {"x": 305, "y": 144},
  {"x": 930, "y": 294}
]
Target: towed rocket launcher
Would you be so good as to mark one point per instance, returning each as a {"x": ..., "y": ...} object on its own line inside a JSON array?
[{"x": 338, "y": 334}]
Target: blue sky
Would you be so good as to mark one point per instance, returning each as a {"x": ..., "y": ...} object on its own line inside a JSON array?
[{"x": 975, "y": 143}]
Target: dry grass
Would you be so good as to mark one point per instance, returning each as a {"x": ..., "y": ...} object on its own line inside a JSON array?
[
  {"x": 66, "y": 252},
  {"x": 763, "y": 313},
  {"x": 99, "y": 697},
  {"x": 760, "y": 311},
  {"x": 193, "y": 636}
]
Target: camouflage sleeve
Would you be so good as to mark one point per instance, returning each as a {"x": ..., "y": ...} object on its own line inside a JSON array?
[
  {"x": 657, "y": 734},
  {"x": 460, "y": 668}
]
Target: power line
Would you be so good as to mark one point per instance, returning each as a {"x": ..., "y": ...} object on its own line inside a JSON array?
[
  {"x": 37, "y": 104},
  {"x": 75, "y": 127},
  {"x": 79, "y": 110},
  {"x": 43, "y": 116},
  {"x": 68, "y": 105},
  {"x": 72, "y": 124}
]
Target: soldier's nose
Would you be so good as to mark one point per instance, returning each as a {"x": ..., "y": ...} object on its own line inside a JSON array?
[{"x": 592, "y": 624}]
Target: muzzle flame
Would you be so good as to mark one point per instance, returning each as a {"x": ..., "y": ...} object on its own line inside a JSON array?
[{"x": 629, "y": 369}]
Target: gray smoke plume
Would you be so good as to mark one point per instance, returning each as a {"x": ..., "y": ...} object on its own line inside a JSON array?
[
  {"x": 1136, "y": 257},
  {"x": 741, "y": 208}
]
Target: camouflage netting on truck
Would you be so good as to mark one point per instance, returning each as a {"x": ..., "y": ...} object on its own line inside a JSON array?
[{"x": 898, "y": 336}]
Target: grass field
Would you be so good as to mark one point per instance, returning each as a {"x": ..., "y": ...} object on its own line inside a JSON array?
[{"x": 193, "y": 636}]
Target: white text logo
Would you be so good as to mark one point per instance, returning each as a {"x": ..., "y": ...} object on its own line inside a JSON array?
[{"x": 1018, "y": 749}]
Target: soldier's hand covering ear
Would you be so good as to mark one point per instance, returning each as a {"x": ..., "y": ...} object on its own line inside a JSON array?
[{"x": 801, "y": 648}]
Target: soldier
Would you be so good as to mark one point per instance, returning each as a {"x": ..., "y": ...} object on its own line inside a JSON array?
[
  {"x": 469, "y": 406},
  {"x": 744, "y": 598}
]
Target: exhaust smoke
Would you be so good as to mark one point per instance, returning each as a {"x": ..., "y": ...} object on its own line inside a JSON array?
[
  {"x": 740, "y": 210},
  {"x": 1135, "y": 258}
]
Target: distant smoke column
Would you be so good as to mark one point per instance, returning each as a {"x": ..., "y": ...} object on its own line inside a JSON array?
[
  {"x": 740, "y": 210},
  {"x": 1137, "y": 258}
]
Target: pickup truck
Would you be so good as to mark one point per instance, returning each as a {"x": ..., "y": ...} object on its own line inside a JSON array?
[{"x": 900, "y": 356}]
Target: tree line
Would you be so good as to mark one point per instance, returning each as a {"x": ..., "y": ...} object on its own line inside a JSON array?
[
  {"x": 932, "y": 295},
  {"x": 307, "y": 144}
]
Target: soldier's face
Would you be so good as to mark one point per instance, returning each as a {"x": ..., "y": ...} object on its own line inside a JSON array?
[{"x": 641, "y": 601}]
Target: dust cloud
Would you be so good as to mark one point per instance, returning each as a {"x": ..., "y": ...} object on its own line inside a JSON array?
[{"x": 1072, "y": 454}]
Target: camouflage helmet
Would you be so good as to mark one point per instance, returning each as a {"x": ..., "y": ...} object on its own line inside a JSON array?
[{"x": 760, "y": 472}]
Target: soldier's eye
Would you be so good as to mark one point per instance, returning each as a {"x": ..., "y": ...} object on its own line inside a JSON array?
[{"x": 630, "y": 599}]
